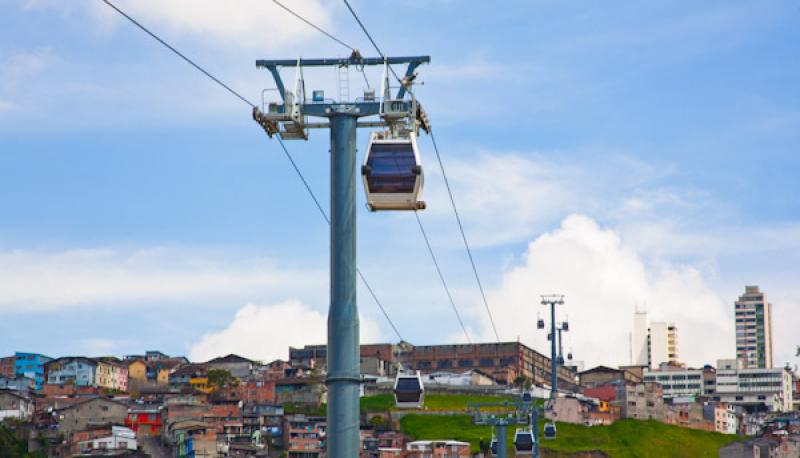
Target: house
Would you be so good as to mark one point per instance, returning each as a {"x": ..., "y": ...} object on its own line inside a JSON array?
[
  {"x": 304, "y": 437},
  {"x": 111, "y": 374},
  {"x": 71, "y": 370},
  {"x": 7, "y": 367},
  {"x": 155, "y": 372},
  {"x": 31, "y": 365},
  {"x": 92, "y": 411},
  {"x": 437, "y": 449},
  {"x": 472, "y": 377},
  {"x": 191, "y": 375},
  {"x": 296, "y": 390},
  {"x": 602, "y": 375},
  {"x": 192, "y": 438},
  {"x": 15, "y": 405},
  {"x": 121, "y": 438},
  {"x": 725, "y": 420},
  {"x": 145, "y": 419},
  {"x": 19, "y": 384},
  {"x": 267, "y": 418},
  {"x": 236, "y": 365},
  {"x": 252, "y": 391}
]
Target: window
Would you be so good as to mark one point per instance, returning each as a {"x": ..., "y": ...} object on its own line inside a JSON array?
[
  {"x": 465, "y": 363},
  {"x": 445, "y": 363},
  {"x": 486, "y": 362}
]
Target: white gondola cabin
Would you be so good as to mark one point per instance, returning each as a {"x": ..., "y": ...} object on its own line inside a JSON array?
[
  {"x": 409, "y": 392},
  {"x": 524, "y": 442},
  {"x": 550, "y": 431},
  {"x": 392, "y": 173},
  {"x": 493, "y": 447}
]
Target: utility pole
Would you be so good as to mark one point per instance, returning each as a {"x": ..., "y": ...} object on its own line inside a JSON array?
[
  {"x": 289, "y": 120},
  {"x": 552, "y": 300}
]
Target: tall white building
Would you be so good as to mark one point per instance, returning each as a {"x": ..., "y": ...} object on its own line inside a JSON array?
[
  {"x": 753, "y": 386},
  {"x": 639, "y": 347},
  {"x": 753, "y": 329},
  {"x": 653, "y": 344}
]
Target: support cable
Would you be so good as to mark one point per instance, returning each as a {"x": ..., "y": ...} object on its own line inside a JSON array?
[
  {"x": 441, "y": 277},
  {"x": 464, "y": 236},
  {"x": 366, "y": 32},
  {"x": 446, "y": 182},
  {"x": 179, "y": 54},
  {"x": 319, "y": 29},
  {"x": 280, "y": 141}
]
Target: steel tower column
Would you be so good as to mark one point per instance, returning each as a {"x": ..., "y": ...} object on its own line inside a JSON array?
[
  {"x": 343, "y": 340},
  {"x": 502, "y": 439},
  {"x": 553, "y": 362}
]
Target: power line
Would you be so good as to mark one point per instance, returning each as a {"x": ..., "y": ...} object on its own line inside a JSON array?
[
  {"x": 464, "y": 236},
  {"x": 441, "y": 277},
  {"x": 179, "y": 54},
  {"x": 298, "y": 16},
  {"x": 280, "y": 141},
  {"x": 328, "y": 220},
  {"x": 447, "y": 184}
]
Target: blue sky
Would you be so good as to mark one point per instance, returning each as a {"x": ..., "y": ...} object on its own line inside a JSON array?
[{"x": 623, "y": 153}]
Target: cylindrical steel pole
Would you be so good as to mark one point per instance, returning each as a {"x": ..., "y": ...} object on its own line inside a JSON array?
[
  {"x": 343, "y": 349},
  {"x": 535, "y": 428},
  {"x": 502, "y": 446},
  {"x": 560, "y": 348},
  {"x": 553, "y": 364}
]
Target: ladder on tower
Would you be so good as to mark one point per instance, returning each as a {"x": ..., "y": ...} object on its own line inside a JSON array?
[{"x": 344, "y": 83}]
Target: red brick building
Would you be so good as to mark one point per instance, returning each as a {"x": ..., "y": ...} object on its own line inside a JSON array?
[{"x": 7, "y": 367}]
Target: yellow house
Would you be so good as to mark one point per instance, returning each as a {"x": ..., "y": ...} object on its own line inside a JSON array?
[
  {"x": 200, "y": 384},
  {"x": 137, "y": 370}
]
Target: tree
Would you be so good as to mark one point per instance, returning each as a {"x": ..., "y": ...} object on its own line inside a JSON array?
[{"x": 218, "y": 378}]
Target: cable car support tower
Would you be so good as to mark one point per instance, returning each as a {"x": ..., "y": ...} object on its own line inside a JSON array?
[{"x": 402, "y": 116}]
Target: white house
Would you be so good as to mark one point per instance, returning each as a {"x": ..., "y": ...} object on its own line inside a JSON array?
[
  {"x": 15, "y": 405},
  {"x": 121, "y": 438}
]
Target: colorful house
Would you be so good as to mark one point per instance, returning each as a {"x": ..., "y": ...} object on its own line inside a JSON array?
[
  {"x": 31, "y": 365},
  {"x": 145, "y": 419},
  {"x": 111, "y": 374},
  {"x": 71, "y": 370}
]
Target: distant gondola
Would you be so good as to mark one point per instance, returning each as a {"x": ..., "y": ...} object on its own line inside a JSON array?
[
  {"x": 550, "y": 431},
  {"x": 524, "y": 442},
  {"x": 409, "y": 392}
]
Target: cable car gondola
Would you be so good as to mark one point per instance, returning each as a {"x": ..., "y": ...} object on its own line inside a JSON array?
[
  {"x": 550, "y": 431},
  {"x": 524, "y": 442},
  {"x": 409, "y": 392},
  {"x": 565, "y": 326},
  {"x": 392, "y": 173},
  {"x": 539, "y": 322},
  {"x": 493, "y": 447}
]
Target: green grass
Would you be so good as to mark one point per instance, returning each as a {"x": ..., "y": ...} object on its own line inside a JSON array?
[
  {"x": 625, "y": 438},
  {"x": 433, "y": 402}
]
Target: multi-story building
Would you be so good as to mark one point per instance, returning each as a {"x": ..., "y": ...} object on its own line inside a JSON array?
[
  {"x": 678, "y": 383},
  {"x": 771, "y": 388},
  {"x": 504, "y": 361},
  {"x": 304, "y": 437},
  {"x": 725, "y": 420},
  {"x": 7, "y": 367},
  {"x": 111, "y": 373},
  {"x": 31, "y": 365},
  {"x": 653, "y": 344},
  {"x": 15, "y": 405},
  {"x": 383, "y": 357},
  {"x": 641, "y": 401},
  {"x": 71, "y": 370},
  {"x": 753, "y": 329},
  {"x": 663, "y": 343},
  {"x": 437, "y": 449},
  {"x": 145, "y": 419}
]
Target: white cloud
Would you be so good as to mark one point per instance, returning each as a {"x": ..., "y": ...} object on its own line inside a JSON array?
[
  {"x": 21, "y": 66},
  {"x": 243, "y": 24},
  {"x": 40, "y": 280},
  {"x": 603, "y": 280},
  {"x": 265, "y": 332}
]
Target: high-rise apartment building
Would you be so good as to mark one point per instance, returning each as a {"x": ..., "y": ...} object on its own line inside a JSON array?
[
  {"x": 654, "y": 343},
  {"x": 663, "y": 343},
  {"x": 753, "y": 329}
]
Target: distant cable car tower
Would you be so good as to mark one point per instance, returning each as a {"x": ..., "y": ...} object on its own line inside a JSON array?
[{"x": 402, "y": 116}]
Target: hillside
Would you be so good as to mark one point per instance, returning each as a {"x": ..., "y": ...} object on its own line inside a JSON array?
[{"x": 625, "y": 438}]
